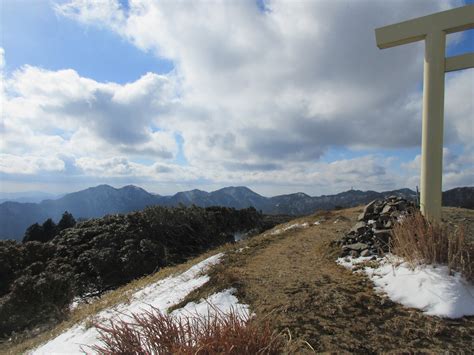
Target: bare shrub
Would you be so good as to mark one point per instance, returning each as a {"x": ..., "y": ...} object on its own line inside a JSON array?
[
  {"x": 220, "y": 333},
  {"x": 419, "y": 241}
]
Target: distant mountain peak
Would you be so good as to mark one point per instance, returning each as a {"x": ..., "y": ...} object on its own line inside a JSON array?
[
  {"x": 238, "y": 189},
  {"x": 133, "y": 188},
  {"x": 100, "y": 187}
]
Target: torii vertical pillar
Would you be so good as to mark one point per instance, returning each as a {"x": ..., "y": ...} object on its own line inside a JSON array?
[{"x": 433, "y": 29}]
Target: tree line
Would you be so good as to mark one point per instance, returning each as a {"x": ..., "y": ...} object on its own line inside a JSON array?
[{"x": 48, "y": 230}]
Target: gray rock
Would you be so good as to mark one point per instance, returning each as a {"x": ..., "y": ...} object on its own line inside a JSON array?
[
  {"x": 401, "y": 205},
  {"x": 357, "y": 246},
  {"x": 387, "y": 209},
  {"x": 354, "y": 254},
  {"x": 359, "y": 227},
  {"x": 365, "y": 252},
  {"x": 395, "y": 214},
  {"x": 383, "y": 235},
  {"x": 369, "y": 208}
]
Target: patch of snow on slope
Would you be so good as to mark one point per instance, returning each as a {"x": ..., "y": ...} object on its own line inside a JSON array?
[
  {"x": 350, "y": 262},
  {"x": 290, "y": 227},
  {"x": 161, "y": 295},
  {"x": 428, "y": 287},
  {"x": 223, "y": 302}
]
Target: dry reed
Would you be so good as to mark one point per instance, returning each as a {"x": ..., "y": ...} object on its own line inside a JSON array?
[
  {"x": 154, "y": 332},
  {"x": 419, "y": 241}
]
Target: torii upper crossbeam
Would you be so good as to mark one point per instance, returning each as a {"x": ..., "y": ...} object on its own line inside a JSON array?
[{"x": 433, "y": 29}]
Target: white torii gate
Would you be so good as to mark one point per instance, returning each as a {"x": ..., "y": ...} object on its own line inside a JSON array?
[{"x": 433, "y": 29}]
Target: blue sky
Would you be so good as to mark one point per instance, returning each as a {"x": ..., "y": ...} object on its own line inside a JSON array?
[
  {"x": 211, "y": 105},
  {"x": 44, "y": 39}
]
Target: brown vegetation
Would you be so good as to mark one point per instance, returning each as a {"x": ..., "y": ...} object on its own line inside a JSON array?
[
  {"x": 219, "y": 333},
  {"x": 417, "y": 241}
]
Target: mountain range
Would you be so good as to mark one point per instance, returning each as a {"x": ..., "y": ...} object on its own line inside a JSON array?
[
  {"x": 30, "y": 196},
  {"x": 98, "y": 201}
]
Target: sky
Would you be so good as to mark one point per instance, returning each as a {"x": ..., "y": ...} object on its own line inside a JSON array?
[{"x": 280, "y": 96}]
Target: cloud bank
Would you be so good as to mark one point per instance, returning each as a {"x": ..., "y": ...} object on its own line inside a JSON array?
[{"x": 261, "y": 94}]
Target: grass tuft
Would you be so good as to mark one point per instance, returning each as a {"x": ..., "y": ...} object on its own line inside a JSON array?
[
  {"x": 154, "y": 332},
  {"x": 418, "y": 240}
]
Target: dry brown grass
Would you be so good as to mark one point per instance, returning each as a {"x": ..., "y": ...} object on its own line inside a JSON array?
[
  {"x": 154, "y": 332},
  {"x": 419, "y": 241}
]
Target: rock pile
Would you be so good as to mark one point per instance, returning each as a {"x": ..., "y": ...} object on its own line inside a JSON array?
[{"x": 372, "y": 233}]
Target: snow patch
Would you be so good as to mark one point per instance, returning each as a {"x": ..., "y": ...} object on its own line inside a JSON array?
[
  {"x": 429, "y": 288},
  {"x": 161, "y": 295},
  {"x": 350, "y": 262},
  {"x": 222, "y": 302},
  {"x": 290, "y": 227}
]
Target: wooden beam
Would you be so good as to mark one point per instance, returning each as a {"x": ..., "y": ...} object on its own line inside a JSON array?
[
  {"x": 459, "y": 62},
  {"x": 454, "y": 20}
]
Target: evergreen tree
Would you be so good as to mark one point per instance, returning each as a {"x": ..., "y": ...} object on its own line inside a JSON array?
[
  {"x": 67, "y": 221},
  {"x": 49, "y": 230},
  {"x": 33, "y": 232}
]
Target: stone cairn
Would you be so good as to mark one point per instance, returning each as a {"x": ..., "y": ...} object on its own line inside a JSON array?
[{"x": 373, "y": 231}]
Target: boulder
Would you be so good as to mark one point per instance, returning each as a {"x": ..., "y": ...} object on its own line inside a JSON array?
[
  {"x": 365, "y": 252},
  {"x": 387, "y": 209},
  {"x": 400, "y": 205},
  {"x": 357, "y": 246},
  {"x": 359, "y": 227},
  {"x": 369, "y": 208}
]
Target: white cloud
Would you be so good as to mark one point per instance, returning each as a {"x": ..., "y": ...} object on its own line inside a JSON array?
[
  {"x": 459, "y": 107},
  {"x": 117, "y": 166},
  {"x": 458, "y": 168},
  {"x": 114, "y": 117},
  {"x": 27, "y": 165},
  {"x": 93, "y": 12},
  {"x": 123, "y": 167}
]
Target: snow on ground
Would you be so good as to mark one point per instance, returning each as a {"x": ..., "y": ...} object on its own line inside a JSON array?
[
  {"x": 224, "y": 302},
  {"x": 161, "y": 295},
  {"x": 290, "y": 227},
  {"x": 428, "y": 287}
]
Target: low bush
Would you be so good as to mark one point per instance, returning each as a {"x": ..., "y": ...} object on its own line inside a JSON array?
[
  {"x": 104, "y": 253},
  {"x": 221, "y": 333},
  {"x": 417, "y": 240}
]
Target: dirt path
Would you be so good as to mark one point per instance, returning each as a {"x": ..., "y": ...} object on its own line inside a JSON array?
[{"x": 293, "y": 277}]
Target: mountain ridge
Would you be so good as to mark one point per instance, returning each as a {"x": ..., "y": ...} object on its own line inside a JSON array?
[{"x": 104, "y": 199}]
